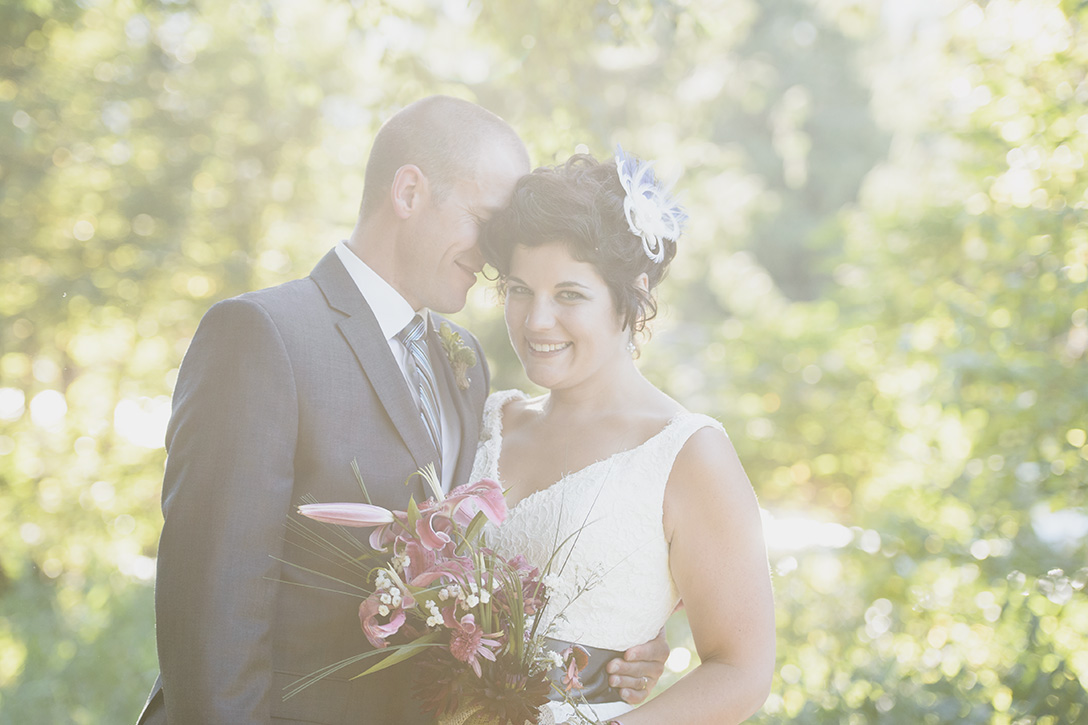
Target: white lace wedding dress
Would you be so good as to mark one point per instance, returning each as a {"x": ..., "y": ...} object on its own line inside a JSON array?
[{"x": 621, "y": 552}]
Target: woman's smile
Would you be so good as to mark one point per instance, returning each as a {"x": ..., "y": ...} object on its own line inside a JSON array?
[{"x": 545, "y": 348}]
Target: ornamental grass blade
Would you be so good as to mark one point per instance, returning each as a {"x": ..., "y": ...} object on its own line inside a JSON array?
[
  {"x": 359, "y": 478},
  {"x": 404, "y": 652},
  {"x": 473, "y": 531},
  {"x": 303, "y": 682}
]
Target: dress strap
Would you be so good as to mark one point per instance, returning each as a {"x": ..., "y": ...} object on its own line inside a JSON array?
[
  {"x": 671, "y": 440},
  {"x": 492, "y": 421},
  {"x": 491, "y": 432}
]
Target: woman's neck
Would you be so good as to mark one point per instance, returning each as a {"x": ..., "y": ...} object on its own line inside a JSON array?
[{"x": 613, "y": 391}]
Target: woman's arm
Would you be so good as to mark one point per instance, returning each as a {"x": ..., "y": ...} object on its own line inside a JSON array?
[{"x": 719, "y": 562}]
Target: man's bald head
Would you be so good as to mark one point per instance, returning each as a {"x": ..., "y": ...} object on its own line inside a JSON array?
[{"x": 441, "y": 135}]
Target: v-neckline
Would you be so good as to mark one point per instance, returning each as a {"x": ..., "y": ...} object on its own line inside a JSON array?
[{"x": 498, "y": 432}]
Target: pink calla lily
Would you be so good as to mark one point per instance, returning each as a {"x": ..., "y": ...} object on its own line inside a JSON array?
[{"x": 347, "y": 514}]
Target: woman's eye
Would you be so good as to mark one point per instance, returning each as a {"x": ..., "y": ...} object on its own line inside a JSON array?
[
  {"x": 517, "y": 289},
  {"x": 568, "y": 296}
]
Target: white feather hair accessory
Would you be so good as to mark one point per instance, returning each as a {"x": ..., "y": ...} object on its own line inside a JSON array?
[{"x": 652, "y": 214}]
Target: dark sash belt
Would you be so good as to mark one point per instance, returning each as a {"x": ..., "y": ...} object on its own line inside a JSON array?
[{"x": 594, "y": 677}]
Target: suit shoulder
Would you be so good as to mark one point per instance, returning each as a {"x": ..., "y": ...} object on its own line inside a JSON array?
[{"x": 288, "y": 298}]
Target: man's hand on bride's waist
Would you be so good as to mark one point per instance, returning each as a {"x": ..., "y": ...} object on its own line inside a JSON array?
[{"x": 637, "y": 673}]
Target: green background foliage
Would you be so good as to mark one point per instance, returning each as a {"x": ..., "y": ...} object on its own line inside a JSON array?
[{"x": 883, "y": 294}]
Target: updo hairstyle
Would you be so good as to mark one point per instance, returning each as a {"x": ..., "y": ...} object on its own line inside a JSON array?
[{"x": 579, "y": 204}]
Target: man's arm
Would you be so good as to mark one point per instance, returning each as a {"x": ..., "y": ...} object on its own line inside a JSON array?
[{"x": 226, "y": 494}]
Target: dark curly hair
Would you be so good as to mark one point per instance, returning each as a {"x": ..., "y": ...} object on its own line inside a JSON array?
[{"x": 580, "y": 204}]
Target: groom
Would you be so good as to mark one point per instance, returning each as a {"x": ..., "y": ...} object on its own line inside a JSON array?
[{"x": 281, "y": 389}]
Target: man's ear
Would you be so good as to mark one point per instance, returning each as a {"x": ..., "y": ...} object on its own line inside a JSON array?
[{"x": 408, "y": 190}]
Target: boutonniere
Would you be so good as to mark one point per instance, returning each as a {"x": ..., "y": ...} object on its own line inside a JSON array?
[{"x": 460, "y": 355}]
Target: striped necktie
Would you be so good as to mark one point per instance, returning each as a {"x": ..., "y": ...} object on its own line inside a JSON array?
[{"x": 413, "y": 338}]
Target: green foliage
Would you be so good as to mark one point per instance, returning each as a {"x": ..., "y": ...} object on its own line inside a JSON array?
[
  {"x": 883, "y": 294},
  {"x": 933, "y": 400}
]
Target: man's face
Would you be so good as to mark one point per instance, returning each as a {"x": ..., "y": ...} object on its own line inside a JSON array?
[{"x": 438, "y": 257}]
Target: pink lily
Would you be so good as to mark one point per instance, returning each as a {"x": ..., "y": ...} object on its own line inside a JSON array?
[
  {"x": 433, "y": 530},
  {"x": 390, "y": 533},
  {"x": 576, "y": 659},
  {"x": 420, "y": 559},
  {"x": 452, "y": 569},
  {"x": 467, "y": 640},
  {"x": 347, "y": 514},
  {"x": 484, "y": 495},
  {"x": 375, "y": 632}
]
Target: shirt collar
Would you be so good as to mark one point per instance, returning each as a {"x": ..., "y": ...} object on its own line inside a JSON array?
[{"x": 390, "y": 309}]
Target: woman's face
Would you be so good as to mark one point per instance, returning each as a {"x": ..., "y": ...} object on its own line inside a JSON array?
[{"x": 561, "y": 318}]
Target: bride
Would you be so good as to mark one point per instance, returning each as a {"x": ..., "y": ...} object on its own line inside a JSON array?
[{"x": 659, "y": 505}]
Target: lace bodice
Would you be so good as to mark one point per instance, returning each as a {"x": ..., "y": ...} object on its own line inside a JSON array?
[{"x": 621, "y": 551}]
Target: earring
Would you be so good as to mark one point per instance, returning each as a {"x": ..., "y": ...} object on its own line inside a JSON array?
[{"x": 631, "y": 349}]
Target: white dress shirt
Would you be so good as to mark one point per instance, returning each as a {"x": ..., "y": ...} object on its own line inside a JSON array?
[{"x": 393, "y": 313}]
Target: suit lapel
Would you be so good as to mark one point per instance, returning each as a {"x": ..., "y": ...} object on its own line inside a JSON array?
[{"x": 363, "y": 334}]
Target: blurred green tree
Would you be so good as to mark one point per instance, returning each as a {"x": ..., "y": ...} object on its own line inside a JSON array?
[
  {"x": 882, "y": 294},
  {"x": 933, "y": 400}
]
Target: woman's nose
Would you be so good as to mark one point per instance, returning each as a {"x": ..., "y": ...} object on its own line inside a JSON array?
[{"x": 540, "y": 316}]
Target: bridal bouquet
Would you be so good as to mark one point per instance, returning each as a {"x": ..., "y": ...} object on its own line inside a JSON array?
[{"x": 441, "y": 595}]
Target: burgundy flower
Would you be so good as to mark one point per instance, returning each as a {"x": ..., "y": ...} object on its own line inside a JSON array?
[{"x": 532, "y": 596}]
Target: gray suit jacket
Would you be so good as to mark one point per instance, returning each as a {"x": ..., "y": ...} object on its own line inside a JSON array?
[{"x": 279, "y": 391}]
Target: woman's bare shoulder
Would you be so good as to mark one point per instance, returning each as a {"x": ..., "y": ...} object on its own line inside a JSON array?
[{"x": 707, "y": 471}]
